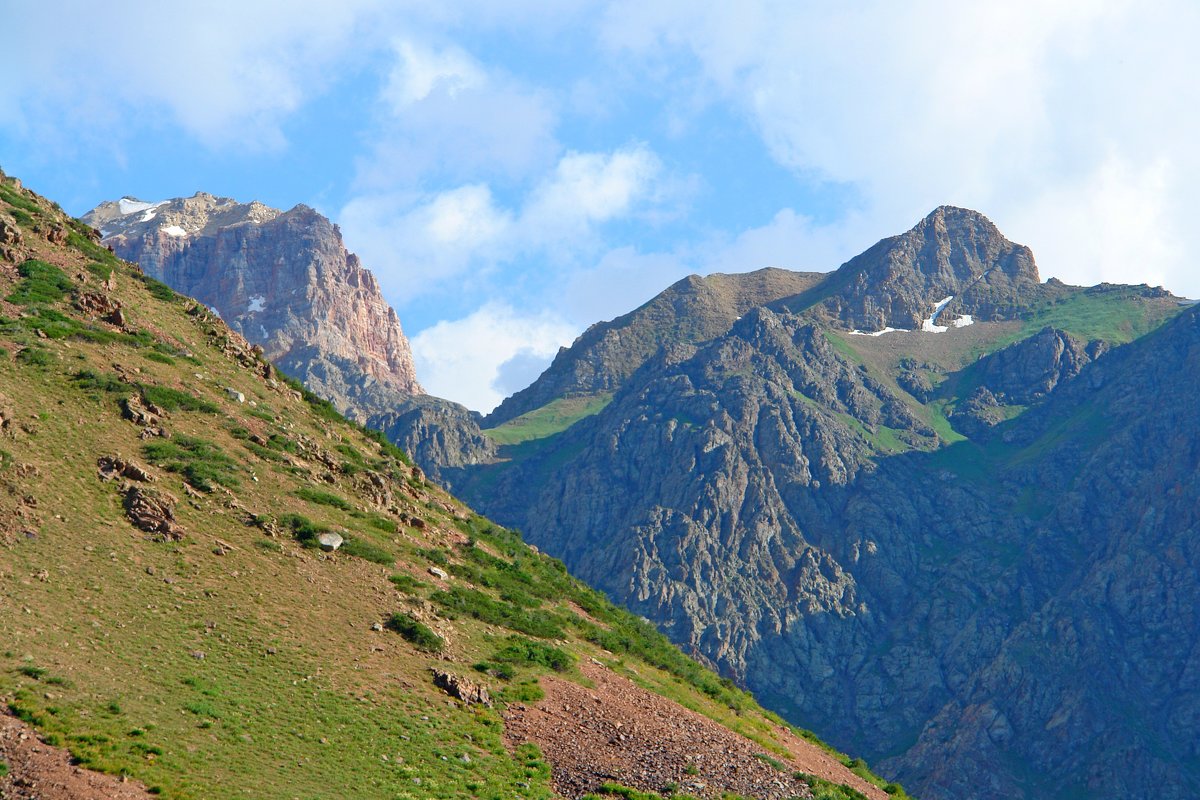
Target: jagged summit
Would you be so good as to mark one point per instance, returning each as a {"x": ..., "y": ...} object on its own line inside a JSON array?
[
  {"x": 953, "y": 266},
  {"x": 180, "y": 217},
  {"x": 283, "y": 279}
]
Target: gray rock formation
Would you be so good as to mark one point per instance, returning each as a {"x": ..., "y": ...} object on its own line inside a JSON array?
[
  {"x": 796, "y": 509},
  {"x": 693, "y": 310},
  {"x": 953, "y": 253}
]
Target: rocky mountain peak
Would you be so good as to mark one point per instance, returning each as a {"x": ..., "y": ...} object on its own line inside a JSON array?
[
  {"x": 282, "y": 279},
  {"x": 953, "y": 266}
]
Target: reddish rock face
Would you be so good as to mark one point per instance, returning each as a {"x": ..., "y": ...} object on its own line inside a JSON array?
[{"x": 284, "y": 280}]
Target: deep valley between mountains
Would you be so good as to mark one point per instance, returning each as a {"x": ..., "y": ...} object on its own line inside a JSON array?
[{"x": 936, "y": 510}]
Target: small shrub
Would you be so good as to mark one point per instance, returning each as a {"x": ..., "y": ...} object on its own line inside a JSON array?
[
  {"x": 174, "y": 400},
  {"x": 523, "y": 692},
  {"x": 407, "y": 583},
  {"x": 323, "y": 498},
  {"x": 415, "y": 632},
  {"x": 42, "y": 283},
  {"x": 30, "y": 671},
  {"x": 360, "y": 548},
  {"x": 159, "y": 357},
  {"x": 93, "y": 381},
  {"x": 773, "y": 762},
  {"x": 35, "y": 357},
  {"x": 520, "y": 650},
  {"x": 382, "y": 523},
  {"x": 827, "y": 790},
  {"x": 199, "y": 461},
  {"x": 303, "y": 528},
  {"x": 481, "y": 607},
  {"x": 158, "y": 289}
]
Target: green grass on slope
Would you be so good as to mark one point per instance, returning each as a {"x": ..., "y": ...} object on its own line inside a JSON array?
[
  {"x": 1116, "y": 315},
  {"x": 238, "y": 660},
  {"x": 554, "y": 417}
]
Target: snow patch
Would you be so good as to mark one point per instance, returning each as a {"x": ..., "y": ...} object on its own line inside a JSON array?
[
  {"x": 256, "y": 304},
  {"x": 127, "y": 206},
  {"x": 174, "y": 230},
  {"x": 263, "y": 328},
  {"x": 930, "y": 325},
  {"x": 964, "y": 321},
  {"x": 213, "y": 309},
  {"x": 888, "y": 329}
]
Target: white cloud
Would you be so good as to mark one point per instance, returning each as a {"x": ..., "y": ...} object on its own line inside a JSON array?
[
  {"x": 470, "y": 360},
  {"x": 586, "y": 189},
  {"x": 229, "y": 74},
  {"x": 419, "y": 71},
  {"x": 446, "y": 117},
  {"x": 932, "y": 102},
  {"x": 1112, "y": 225},
  {"x": 416, "y": 243},
  {"x": 419, "y": 242}
]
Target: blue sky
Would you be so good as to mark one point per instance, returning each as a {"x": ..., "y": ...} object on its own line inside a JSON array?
[{"x": 515, "y": 171}]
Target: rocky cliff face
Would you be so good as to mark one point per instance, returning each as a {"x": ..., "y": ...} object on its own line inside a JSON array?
[
  {"x": 284, "y": 280},
  {"x": 693, "y": 310},
  {"x": 954, "y": 265},
  {"x": 852, "y": 528}
]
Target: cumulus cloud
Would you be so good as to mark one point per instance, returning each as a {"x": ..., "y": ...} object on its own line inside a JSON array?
[
  {"x": 229, "y": 74},
  {"x": 418, "y": 242},
  {"x": 477, "y": 360},
  {"x": 447, "y": 117},
  {"x": 1003, "y": 107}
]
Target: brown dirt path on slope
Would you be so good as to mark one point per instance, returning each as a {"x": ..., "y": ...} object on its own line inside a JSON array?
[
  {"x": 37, "y": 771},
  {"x": 622, "y": 733}
]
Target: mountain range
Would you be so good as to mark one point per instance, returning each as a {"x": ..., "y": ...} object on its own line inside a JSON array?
[
  {"x": 214, "y": 585},
  {"x": 935, "y": 507}
]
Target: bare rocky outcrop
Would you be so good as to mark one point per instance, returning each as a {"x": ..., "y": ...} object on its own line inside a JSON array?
[
  {"x": 469, "y": 691},
  {"x": 693, "y": 310},
  {"x": 283, "y": 280},
  {"x": 953, "y": 253},
  {"x": 153, "y": 511}
]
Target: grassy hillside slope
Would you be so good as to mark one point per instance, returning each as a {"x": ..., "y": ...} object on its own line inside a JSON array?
[{"x": 167, "y": 611}]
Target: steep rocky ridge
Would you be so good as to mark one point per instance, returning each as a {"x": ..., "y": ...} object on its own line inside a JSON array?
[
  {"x": 695, "y": 309},
  {"x": 953, "y": 253},
  {"x": 284, "y": 280},
  {"x": 214, "y": 584},
  {"x": 822, "y": 515}
]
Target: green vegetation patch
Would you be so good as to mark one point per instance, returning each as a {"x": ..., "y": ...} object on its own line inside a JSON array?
[
  {"x": 471, "y": 602},
  {"x": 41, "y": 283},
  {"x": 36, "y": 357},
  {"x": 170, "y": 399},
  {"x": 527, "y": 652},
  {"x": 554, "y": 417},
  {"x": 407, "y": 583},
  {"x": 415, "y": 632},
  {"x": 368, "y": 551},
  {"x": 1116, "y": 314},
  {"x": 91, "y": 381},
  {"x": 827, "y": 790},
  {"x": 324, "y": 498},
  {"x": 199, "y": 461}
]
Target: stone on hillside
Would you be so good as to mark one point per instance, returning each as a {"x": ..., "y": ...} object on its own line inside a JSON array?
[
  {"x": 466, "y": 690},
  {"x": 329, "y": 541},
  {"x": 234, "y": 394},
  {"x": 153, "y": 512},
  {"x": 439, "y": 573},
  {"x": 113, "y": 467}
]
